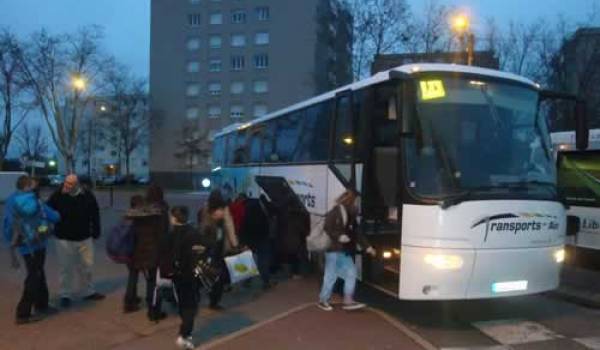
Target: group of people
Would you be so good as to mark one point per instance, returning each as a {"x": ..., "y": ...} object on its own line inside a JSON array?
[
  {"x": 72, "y": 216},
  {"x": 168, "y": 248}
]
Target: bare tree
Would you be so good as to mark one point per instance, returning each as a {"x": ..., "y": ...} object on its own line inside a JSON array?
[
  {"x": 380, "y": 26},
  {"x": 33, "y": 143},
  {"x": 14, "y": 106},
  {"x": 194, "y": 148},
  {"x": 63, "y": 71},
  {"x": 430, "y": 31}
]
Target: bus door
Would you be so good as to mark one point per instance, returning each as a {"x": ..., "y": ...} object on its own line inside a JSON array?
[{"x": 381, "y": 190}]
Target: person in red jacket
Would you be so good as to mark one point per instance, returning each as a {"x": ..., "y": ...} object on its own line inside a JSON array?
[{"x": 238, "y": 211}]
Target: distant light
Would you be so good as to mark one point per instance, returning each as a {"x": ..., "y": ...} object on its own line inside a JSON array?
[
  {"x": 477, "y": 83},
  {"x": 537, "y": 85},
  {"x": 52, "y": 163},
  {"x": 563, "y": 147},
  {"x": 415, "y": 69},
  {"x": 206, "y": 183},
  {"x": 103, "y": 108},
  {"x": 216, "y": 169},
  {"x": 387, "y": 254},
  {"x": 348, "y": 140}
]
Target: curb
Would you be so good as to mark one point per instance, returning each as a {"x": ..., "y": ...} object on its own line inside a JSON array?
[
  {"x": 394, "y": 322},
  {"x": 573, "y": 295}
]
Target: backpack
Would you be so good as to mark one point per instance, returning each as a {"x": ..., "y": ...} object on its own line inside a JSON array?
[
  {"x": 30, "y": 220},
  {"x": 120, "y": 243}
]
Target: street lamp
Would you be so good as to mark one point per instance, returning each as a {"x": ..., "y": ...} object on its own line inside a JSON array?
[
  {"x": 461, "y": 24},
  {"x": 78, "y": 82}
]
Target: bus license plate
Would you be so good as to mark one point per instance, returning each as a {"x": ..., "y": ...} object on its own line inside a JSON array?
[{"x": 511, "y": 286}]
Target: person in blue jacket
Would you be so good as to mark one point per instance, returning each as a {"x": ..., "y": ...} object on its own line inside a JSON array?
[{"x": 26, "y": 229}]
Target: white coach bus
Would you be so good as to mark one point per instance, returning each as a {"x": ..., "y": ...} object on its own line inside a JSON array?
[
  {"x": 579, "y": 183},
  {"x": 454, "y": 168}
]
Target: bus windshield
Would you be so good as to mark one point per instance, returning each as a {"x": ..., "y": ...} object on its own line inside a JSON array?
[{"x": 479, "y": 137}]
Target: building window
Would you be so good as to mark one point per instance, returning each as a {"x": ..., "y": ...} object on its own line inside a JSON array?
[
  {"x": 194, "y": 2},
  {"x": 262, "y": 38},
  {"x": 193, "y": 67},
  {"x": 261, "y": 87},
  {"x": 238, "y": 40},
  {"x": 214, "y": 111},
  {"x": 215, "y": 41},
  {"x": 237, "y": 87},
  {"x": 193, "y": 44},
  {"x": 261, "y": 61},
  {"x": 215, "y": 65},
  {"x": 238, "y": 62},
  {"x": 238, "y": 16},
  {"x": 192, "y": 90},
  {"x": 216, "y": 18},
  {"x": 260, "y": 110},
  {"x": 237, "y": 111},
  {"x": 194, "y": 20},
  {"x": 214, "y": 89},
  {"x": 262, "y": 13},
  {"x": 192, "y": 113}
]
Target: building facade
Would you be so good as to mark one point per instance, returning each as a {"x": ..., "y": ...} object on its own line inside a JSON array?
[
  {"x": 102, "y": 138},
  {"x": 218, "y": 62}
]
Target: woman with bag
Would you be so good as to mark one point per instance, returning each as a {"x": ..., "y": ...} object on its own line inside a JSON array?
[{"x": 341, "y": 227}]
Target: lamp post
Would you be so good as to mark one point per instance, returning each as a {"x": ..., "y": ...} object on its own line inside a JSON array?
[{"x": 460, "y": 24}]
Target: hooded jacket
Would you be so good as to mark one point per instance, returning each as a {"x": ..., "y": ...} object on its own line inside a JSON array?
[{"x": 19, "y": 206}]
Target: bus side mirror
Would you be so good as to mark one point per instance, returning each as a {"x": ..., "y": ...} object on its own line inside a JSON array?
[
  {"x": 582, "y": 133},
  {"x": 573, "y": 225}
]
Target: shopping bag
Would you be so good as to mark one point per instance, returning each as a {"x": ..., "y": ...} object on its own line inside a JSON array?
[{"x": 241, "y": 266}]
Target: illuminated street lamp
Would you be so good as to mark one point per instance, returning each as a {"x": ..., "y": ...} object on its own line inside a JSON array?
[
  {"x": 79, "y": 83},
  {"x": 461, "y": 24}
]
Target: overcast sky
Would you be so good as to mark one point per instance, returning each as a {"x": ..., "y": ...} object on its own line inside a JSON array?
[{"x": 127, "y": 22}]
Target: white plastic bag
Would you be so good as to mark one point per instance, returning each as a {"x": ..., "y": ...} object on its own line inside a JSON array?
[
  {"x": 318, "y": 240},
  {"x": 241, "y": 266}
]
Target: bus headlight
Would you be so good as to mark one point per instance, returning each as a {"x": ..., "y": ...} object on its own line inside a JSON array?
[
  {"x": 559, "y": 256},
  {"x": 444, "y": 262}
]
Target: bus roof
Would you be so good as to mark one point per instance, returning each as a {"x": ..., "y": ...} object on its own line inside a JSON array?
[{"x": 378, "y": 78}]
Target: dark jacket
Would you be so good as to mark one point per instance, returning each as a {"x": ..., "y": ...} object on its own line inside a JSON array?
[
  {"x": 149, "y": 225},
  {"x": 256, "y": 224},
  {"x": 180, "y": 251},
  {"x": 80, "y": 215},
  {"x": 334, "y": 227},
  {"x": 214, "y": 236},
  {"x": 294, "y": 227}
]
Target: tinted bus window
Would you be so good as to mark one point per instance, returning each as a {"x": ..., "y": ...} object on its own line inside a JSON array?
[
  {"x": 313, "y": 144},
  {"x": 229, "y": 141},
  {"x": 255, "y": 145},
  {"x": 288, "y": 133},
  {"x": 344, "y": 140},
  {"x": 240, "y": 154},
  {"x": 218, "y": 151},
  {"x": 269, "y": 142},
  {"x": 579, "y": 177}
]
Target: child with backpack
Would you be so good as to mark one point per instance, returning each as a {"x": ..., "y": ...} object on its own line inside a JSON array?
[
  {"x": 184, "y": 255},
  {"x": 27, "y": 224}
]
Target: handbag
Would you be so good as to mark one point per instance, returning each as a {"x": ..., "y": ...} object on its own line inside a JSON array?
[
  {"x": 241, "y": 267},
  {"x": 318, "y": 240}
]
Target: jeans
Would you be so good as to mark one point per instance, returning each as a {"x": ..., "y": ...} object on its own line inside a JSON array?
[
  {"x": 35, "y": 291},
  {"x": 189, "y": 298},
  {"x": 338, "y": 264},
  {"x": 75, "y": 255}
]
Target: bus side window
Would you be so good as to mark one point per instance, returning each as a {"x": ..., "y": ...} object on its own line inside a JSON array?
[
  {"x": 255, "y": 145},
  {"x": 241, "y": 151},
  {"x": 313, "y": 141},
  {"x": 344, "y": 139},
  {"x": 287, "y": 135},
  {"x": 269, "y": 142}
]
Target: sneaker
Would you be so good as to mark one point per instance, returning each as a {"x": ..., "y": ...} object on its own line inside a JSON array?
[
  {"x": 353, "y": 306},
  {"x": 94, "y": 297},
  {"x": 325, "y": 306},
  {"x": 29, "y": 319},
  {"x": 65, "y": 302},
  {"x": 184, "y": 343}
]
